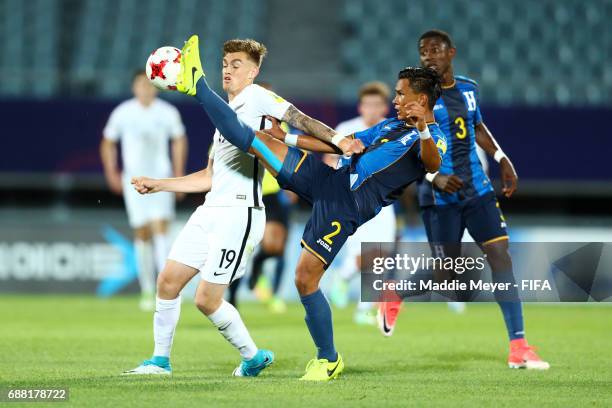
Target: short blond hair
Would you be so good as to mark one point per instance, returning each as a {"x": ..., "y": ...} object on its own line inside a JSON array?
[
  {"x": 375, "y": 88},
  {"x": 254, "y": 49}
]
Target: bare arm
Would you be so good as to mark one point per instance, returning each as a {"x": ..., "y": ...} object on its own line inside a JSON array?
[
  {"x": 320, "y": 131},
  {"x": 299, "y": 120},
  {"x": 305, "y": 142},
  {"x": 429, "y": 154},
  {"x": 485, "y": 139},
  {"x": 198, "y": 182},
  {"x": 179, "y": 155},
  {"x": 108, "y": 154}
]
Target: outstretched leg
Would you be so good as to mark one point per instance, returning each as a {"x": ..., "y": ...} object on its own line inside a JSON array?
[
  {"x": 328, "y": 364},
  {"x": 191, "y": 81}
]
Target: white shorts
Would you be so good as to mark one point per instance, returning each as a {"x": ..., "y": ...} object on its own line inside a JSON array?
[
  {"x": 218, "y": 241},
  {"x": 381, "y": 228},
  {"x": 142, "y": 209}
]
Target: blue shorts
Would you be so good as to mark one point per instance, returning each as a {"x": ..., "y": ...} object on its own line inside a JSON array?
[
  {"x": 481, "y": 216},
  {"x": 334, "y": 214}
]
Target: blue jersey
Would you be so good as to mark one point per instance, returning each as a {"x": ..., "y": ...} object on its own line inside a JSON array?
[
  {"x": 390, "y": 162},
  {"x": 457, "y": 111}
]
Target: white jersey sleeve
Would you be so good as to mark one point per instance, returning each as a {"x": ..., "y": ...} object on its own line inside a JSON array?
[
  {"x": 270, "y": 104},
  {"x": 112, "y": 130}
]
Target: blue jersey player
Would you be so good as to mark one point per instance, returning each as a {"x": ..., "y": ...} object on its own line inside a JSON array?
[
  {"x": 385, "y": 159},
  {"x": 459, "y": 196}
]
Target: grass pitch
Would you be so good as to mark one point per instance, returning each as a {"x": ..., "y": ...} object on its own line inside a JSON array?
[{"x": 435, "y": 358}]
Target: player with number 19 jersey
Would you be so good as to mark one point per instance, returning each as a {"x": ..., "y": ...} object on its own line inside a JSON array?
[{"x": 222, "y": 233}]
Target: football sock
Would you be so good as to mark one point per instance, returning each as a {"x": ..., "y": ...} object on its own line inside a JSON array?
[
  {"x": 165, "y": 319},
  {"x": 510, "y": 305},
  {"x": 224, "y": 118},
  {"x": 278, "y": 273},
  {"x": 319, "y": 321},
  {"x": 146, "y": 268},
  {"x": 160, "y": 247},
  {"x": 227, "y": 319},
  {"x": 513, "y": 316}
]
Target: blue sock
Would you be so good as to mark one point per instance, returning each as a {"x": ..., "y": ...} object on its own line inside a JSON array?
[
  {"x": 513, "y": 316},
  {"x": 319, "y": 322},
  {"x": 224, "y": 118},
  {"x": 510, "y": 305}
]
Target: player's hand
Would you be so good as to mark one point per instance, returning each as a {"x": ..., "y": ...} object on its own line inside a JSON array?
[
  {"x": 508, "y": 176},
  {"x": 275, "y": 131},
  {"x": 448, "y": 183},
  {"x": 146, "y": 185},
  {"x": 114, "y": 183},
  {"x": 414, "y": 113},
  {"x": 350, "y": 146}
]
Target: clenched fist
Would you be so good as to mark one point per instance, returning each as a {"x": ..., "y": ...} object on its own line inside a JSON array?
[{"x": 146, "y": 185}]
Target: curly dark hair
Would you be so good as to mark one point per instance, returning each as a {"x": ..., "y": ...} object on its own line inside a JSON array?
[{"x": 423, "y": 80}]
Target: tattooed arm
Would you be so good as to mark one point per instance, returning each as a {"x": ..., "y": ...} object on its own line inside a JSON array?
[{"x": 313, "y": 127}]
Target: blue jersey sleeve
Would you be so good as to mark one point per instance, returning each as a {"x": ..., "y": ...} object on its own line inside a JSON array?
[
  {"x": 477, "y": 114},
  {"x": 369, "y": 135}
]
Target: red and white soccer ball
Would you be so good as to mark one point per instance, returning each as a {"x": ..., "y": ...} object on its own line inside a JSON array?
[{"x": 163, "y": 67}]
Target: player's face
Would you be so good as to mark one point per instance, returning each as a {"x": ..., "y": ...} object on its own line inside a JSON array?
[
  {"x": 435, "y": 54},
  {"x": 238, "y": 72},
  {"x": 373, "y": 108},
  {"x": 143, "y": 90},
  {"x": 404, "y": 95}
]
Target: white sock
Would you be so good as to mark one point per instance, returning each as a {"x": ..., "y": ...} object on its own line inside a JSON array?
[
  {"x": 146, "y": 270},
  {"x": 160, "y": 247},
  {"x": 165, "y": 319},
  {"x": 227, "y": 319}
]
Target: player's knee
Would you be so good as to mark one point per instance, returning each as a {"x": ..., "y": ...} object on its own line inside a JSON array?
[
  {"x": 206, "y": 303},
  {"x": 166, "y": 287},
  {"x": 142, "y": 233},
  {"x": 498, "y": 256},
  {"x": 305, "y": 280},
  {"x": 275, "y": 247}
]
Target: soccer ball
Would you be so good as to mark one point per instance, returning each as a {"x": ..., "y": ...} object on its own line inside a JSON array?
[{"x": 163, "y": 67}]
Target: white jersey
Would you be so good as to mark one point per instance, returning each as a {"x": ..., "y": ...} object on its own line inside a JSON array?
[
  {"x": 236, "y": 180},
  {"x": 348, "y": 127},
  {"x": 144, "y": 132}
]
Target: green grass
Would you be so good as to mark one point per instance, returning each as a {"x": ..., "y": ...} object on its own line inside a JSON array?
[{"x": 435, "y": 358}]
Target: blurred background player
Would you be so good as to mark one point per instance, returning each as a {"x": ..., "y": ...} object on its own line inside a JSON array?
[
  {"x": 460, "y": 195},
  {"x": 144, "y": 125},
  {"x": 373, "y": 108}
]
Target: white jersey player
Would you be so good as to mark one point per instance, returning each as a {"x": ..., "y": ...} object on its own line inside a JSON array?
[
  {"x": 222, "y": 233},
  {"x": 373, "y": 107},
  {"x": 144, "y": 125}
]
